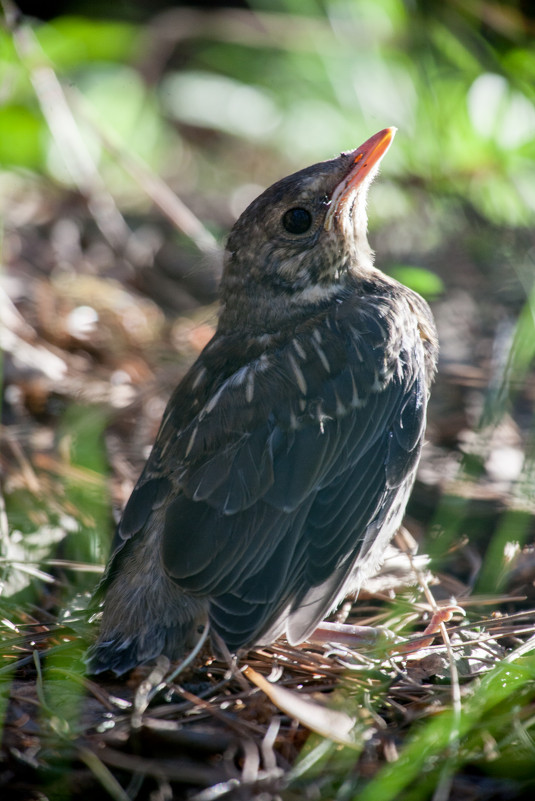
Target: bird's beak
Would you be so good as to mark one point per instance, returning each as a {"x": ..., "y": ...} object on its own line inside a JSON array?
[{"x": 364, "y": 163}]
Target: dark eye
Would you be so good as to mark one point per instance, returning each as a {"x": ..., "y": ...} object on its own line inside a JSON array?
[{"x": 297, "y": 221}]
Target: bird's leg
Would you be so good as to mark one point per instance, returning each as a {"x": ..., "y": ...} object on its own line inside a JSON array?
[
  {"x": 356, "y": 636},
  {"x": 352, "y": 636}
]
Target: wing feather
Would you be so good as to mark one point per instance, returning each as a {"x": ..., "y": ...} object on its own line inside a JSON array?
[{"x": 279, "y": 476}]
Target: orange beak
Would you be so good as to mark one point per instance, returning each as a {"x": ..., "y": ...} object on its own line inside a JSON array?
[{"x": 365, "y": 160}]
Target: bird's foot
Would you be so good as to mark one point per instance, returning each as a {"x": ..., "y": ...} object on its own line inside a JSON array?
[
  {"x": 351, "y": 636},
  {"x": 442, "y": 615}
]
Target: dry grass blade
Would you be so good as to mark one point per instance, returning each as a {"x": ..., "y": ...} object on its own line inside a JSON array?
[
  {"x": 154, "y": 187},
  {"x": 103, "y": 774},
  {"x": 65, "y": 130},
  {"x": 79, "y": 162},
  {"x": 330, "y": 723}
]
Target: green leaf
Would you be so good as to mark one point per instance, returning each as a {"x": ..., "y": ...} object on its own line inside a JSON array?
[
  {"x": 423, "y": 281},
  {"x": 73, "y": 41},
  {"x": 21, "y": 137}
]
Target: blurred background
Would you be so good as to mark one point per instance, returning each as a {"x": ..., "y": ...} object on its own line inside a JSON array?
[{"x": 131, "y": 137}]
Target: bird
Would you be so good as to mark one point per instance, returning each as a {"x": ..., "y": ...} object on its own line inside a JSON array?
[{"x": 287, "y": 453}]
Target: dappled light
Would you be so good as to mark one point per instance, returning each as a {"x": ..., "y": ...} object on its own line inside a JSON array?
[{"x": 128, "y": 148}]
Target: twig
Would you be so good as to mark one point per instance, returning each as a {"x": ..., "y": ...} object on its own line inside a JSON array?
[{"x": 154, "y": 187}]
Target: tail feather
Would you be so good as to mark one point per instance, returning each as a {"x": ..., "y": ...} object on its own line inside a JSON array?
[
  {"x": 145, "y": 614},
  {"x": 119, "y": 653}
]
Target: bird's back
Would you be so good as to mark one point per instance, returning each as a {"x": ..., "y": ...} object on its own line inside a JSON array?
[
  {"x": 278, "y": 496},
  {"x": 286, "y": 455}
]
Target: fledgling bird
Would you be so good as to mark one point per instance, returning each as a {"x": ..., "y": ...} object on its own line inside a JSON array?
[{"x": 286, "y": 454}]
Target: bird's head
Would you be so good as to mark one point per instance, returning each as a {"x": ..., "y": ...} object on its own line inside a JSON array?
[{"x": 298, "y": 242}]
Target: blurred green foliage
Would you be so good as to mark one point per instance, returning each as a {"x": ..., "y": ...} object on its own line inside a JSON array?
[
  {"x": 68, "y": 516},
  {"x": 220, "y": 103},
  {"x": 86, "y": 486},
  {"x": 436, "y": 748},
  {"x": 423, "y": 281},
  {"x": 304, "y": 80}
]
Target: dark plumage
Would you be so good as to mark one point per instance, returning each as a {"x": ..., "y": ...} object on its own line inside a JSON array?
[{"x": 287, "y": 453}]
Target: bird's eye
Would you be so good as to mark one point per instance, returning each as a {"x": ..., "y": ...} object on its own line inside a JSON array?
[{"x": 297, "y": 221}]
